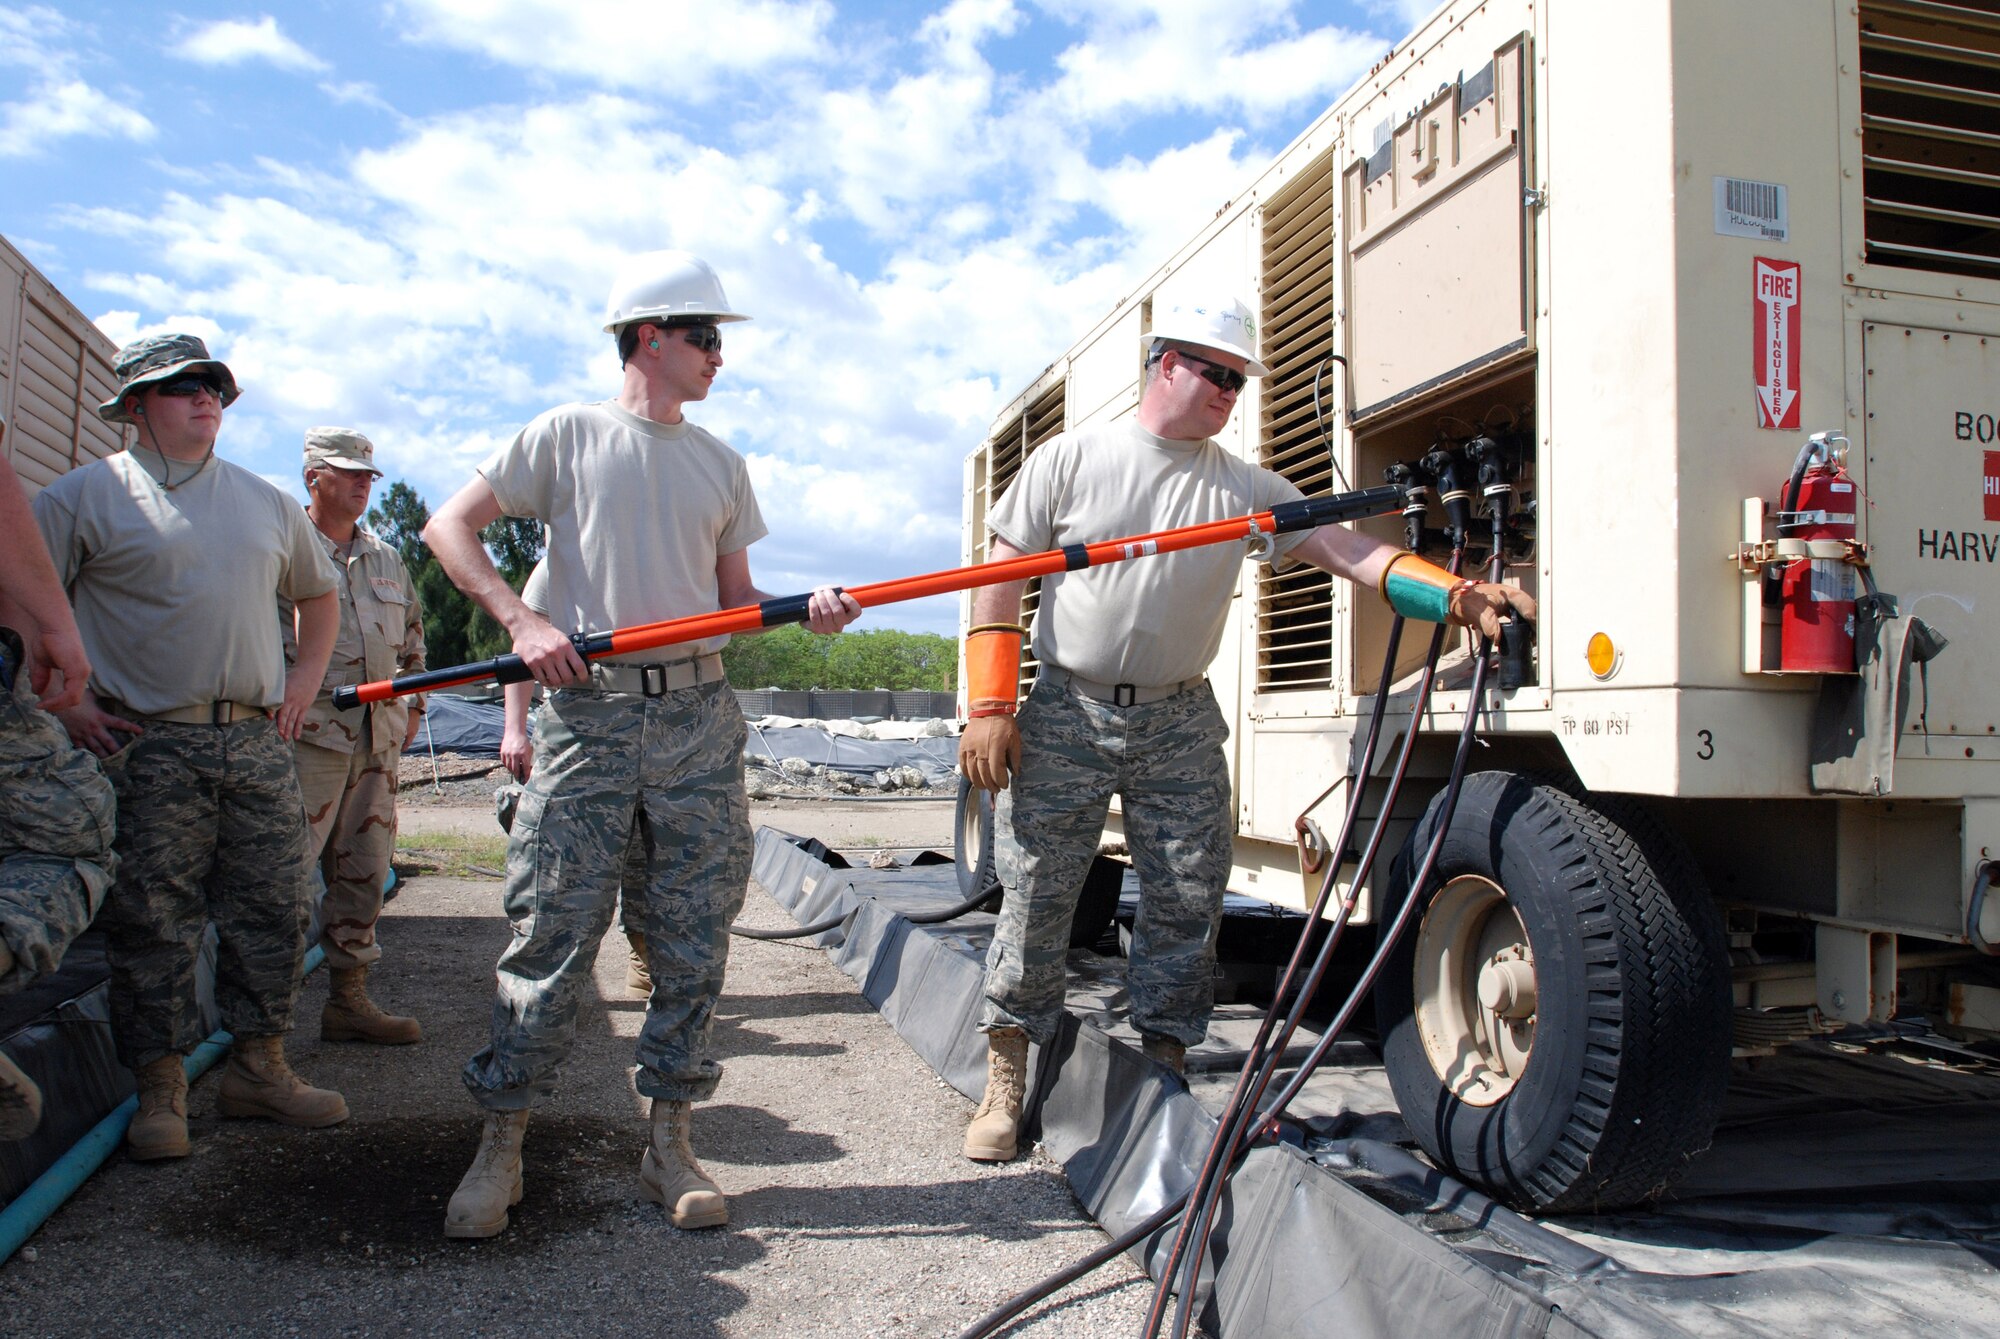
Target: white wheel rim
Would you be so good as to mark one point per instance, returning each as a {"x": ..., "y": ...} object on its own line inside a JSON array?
[
  {"x": 972, "y": 832},
  {"x": 1475, "y": 990}
]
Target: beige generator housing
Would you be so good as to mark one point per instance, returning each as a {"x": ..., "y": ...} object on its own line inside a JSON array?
[
  {"x": 55, "y": 369},
  {"x": 1647, "y": 251}
]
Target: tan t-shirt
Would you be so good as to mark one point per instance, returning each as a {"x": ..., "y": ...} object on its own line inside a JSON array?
[
  {"x": 174, "y": 590},
  {"x": 1146, "y": 621},
  {"x": 637, "y": 514}
]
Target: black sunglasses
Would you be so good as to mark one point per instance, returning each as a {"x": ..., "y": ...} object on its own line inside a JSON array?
[
  {"x": 707, "y": 338},
  {"x": 189, "y": 386},
  {"x": 1215, "y": 374}
]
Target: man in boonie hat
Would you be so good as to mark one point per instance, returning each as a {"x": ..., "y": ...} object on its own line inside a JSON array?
[
  {"x": 347, "y": 759},
  {"x": 56, "y": 808},
  {"x": 173, "y": 560}
]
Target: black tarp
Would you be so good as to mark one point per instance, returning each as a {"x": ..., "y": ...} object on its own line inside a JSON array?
[{"x": 1850, "y": 1188}]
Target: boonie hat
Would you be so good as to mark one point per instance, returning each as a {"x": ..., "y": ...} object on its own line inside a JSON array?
[
  {"x": 161, "y": 358},
  {"x": 342, "y": 448}
]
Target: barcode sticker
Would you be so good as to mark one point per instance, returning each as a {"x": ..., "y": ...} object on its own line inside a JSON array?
[{"x": 1751, "y": 209}]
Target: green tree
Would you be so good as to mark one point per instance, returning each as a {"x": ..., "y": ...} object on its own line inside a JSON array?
[
  {"x": 785, "y": 657},
  {"x": 455, "y": 629},
  {"x": 790, "y": 657}
]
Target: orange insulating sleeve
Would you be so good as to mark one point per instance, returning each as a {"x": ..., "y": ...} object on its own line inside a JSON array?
[{"x": 992, "y": 667}]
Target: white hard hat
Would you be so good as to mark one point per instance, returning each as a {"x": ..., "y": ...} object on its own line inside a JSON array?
[
  {"x": 663, "y": 286},
  {"x": 1229, "y": 328}
]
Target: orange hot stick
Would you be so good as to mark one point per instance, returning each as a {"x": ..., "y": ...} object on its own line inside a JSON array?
[{"x": 1305, "y": 514}]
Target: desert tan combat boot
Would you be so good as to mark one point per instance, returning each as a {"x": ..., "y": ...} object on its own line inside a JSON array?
[
  {"x": 1164, "y": 1050},
  {"x": 993, "y": 1135},
  {"x": 160, "y": 1129},
  {"x": 20, "y": 1102},
  {"x": 669, "y": 1175},
  {"x": 492, "y": 1184},
  {"x": 351, "y": 1016},
  {"x": 258, "y": 1082},
  {"x": 638, "y": 976}
]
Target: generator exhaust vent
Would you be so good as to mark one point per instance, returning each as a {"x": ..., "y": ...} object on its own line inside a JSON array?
[
  {"x": 1298, "y": 404},
  {"x": 1930, "y": 125},
  {"x": 1008, "y": 449}
]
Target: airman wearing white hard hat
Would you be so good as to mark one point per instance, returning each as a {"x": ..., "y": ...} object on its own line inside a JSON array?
[
  {"x": 648, "y": 518},
  {"x": 1226, "y": 327},
  {"x": 669, "y": 286},
  {"x": 1121, "y": 702}
]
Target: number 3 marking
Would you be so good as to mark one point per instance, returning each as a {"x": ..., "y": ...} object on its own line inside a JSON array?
[{"x": 1707, "y": 749}]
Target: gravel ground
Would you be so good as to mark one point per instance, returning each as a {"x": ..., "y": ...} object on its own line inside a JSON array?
[{"x": 852, "y": 1212}]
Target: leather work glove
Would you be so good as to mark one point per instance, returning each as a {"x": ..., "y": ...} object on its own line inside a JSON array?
[
  {"x": 1483, "y": 604},
  {"x": 989, "y": 752}
]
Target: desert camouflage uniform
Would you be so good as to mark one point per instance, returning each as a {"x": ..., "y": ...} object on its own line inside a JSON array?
[
  {"x": 1166, "y": 760},
  {"x": 347, "y": 759},
  {"x": 56, "y": 825},
  {"x": 607, "y": 763}
]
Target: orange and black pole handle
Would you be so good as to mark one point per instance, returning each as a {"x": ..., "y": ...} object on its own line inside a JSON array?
[{"x": 1304, "y": 514}]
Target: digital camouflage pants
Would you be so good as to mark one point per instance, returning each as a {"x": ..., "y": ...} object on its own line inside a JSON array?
[
  {"x": 350, "y": 803},
  {"x": 56, "y": 830},
  {"x": 1165, "y": 760},
  {"x": 210, "y": 828},
  {"x": 605, "y": 762}
]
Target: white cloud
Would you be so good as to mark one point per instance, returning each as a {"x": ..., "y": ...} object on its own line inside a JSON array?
[
  {"x": 59, "y": 103},
  {"x": 628, "y": 44},
  {"x": 1202, "y": 55},
  {"x": 236, "y": 41},
  {"x": 54, "y": 111},
  {"x": 440, "y": 288},
  {"x": 358, "y": 92}
]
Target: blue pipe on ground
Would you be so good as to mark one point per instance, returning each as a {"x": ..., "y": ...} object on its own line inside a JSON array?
[{"x": 38, "y": 1203}]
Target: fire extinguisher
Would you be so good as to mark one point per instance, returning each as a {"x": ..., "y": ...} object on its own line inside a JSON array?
[{"x": 1815, "y": 519}]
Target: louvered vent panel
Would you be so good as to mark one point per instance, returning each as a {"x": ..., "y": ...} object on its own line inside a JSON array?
[
  {"x": 61, "y": 382},
  {"x": 1295, "y": 610},
  {"x": 1930, "y": 124},
  {"x": 1011, "y": 445}
]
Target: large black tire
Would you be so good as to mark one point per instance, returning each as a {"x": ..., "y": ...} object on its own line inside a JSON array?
[
  {"x": 1097, "y": 906},
  {"x": 972, "y": 853},
  {"x": 972, "y": 841},
  {"x": 1629, "y": 1057}
]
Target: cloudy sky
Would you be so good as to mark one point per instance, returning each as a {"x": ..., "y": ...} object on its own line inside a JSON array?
[{"x": 403, "y": 215}]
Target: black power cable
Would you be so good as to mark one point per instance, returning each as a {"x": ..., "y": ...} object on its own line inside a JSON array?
[
  {"x": 951, "y": 913},
  {"x": 1166, "y": 1213},
  {"x": 1188, "y": 1290},
  {"x": 1232, "y": 1143},
  {"x": 990, "y": 1323},
  {"x": 1260, "y": 1066}
]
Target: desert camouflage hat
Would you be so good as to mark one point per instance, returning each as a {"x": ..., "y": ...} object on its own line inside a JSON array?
[
  {"x": 160, "y": 358},
  {"x": 342, "y": 448}
]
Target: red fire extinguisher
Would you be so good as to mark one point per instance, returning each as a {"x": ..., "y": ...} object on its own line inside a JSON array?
[{"x": 1816, "y": 510}]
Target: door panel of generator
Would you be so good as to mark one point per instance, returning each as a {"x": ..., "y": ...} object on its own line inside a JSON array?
[
  {"x": 1436, "y": 241},
  {"x": 1932, "y": 478}
]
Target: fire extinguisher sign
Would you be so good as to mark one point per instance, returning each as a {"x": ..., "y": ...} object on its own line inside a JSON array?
[{"x": 1776, "y": 341}]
